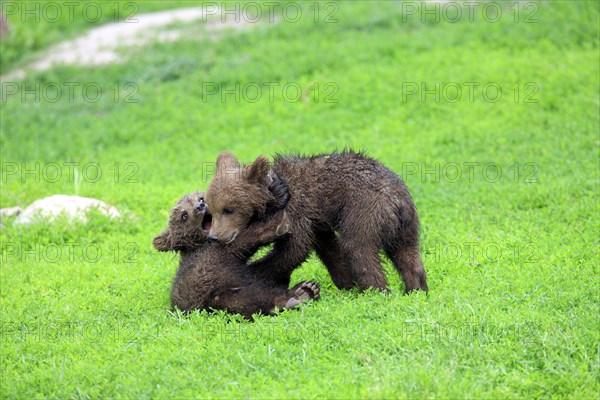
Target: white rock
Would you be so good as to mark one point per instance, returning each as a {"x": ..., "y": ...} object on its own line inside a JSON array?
[{"x": 75, "y": 207}]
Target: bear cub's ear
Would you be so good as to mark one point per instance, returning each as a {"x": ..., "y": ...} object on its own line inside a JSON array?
[
  {"x": 162, "y": 242},
  {"x": 226, "y": 161},
  {"x": 258, "y": 171}
]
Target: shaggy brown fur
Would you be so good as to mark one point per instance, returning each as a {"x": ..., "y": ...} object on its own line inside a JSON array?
[
  {"x": 344, "y": 205},
  {"x": 215, "y": 275}
]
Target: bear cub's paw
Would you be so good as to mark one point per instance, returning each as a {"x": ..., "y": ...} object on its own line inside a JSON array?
[
  {"x": 302, "y": 292},
  {"x": 307, "y": 290},
  {"x": 285, "y": 226}
]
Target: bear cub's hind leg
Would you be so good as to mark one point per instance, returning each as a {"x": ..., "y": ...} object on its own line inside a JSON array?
[{"x": 302, "y": 292}]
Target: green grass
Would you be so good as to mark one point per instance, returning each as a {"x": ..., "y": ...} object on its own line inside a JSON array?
[{"x": 512, "y": 261}]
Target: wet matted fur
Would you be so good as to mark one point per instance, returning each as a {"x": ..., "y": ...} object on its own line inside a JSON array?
[{"x": 346, "y": 206}]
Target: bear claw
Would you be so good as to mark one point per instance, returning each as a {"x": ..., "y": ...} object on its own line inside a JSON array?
[
  {"x": 308, "y": 290},
  {"x": 285, "y": 226}
]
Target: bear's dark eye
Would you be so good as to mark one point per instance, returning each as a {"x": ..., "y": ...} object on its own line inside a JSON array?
[
  {"x": 228, "y": 211},
  {"x": 184, "y": 216}
]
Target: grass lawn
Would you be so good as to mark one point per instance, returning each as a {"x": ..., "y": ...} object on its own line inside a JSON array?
[{"x": 494, "y": 126}]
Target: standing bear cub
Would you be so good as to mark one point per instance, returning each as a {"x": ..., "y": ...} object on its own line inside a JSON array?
[
  {"x": 345, "y": 206},
  {"x": 215, "y": 275}
]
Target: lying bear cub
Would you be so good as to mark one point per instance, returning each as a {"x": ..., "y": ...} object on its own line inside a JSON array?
[{"x": 215, "y": 275}]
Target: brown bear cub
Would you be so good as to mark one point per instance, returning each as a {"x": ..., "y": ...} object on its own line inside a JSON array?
[
  {"x": 215, "y": 275},
  {"x": 345, "y": 206}
]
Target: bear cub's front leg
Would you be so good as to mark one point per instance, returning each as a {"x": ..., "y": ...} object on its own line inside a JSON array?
[{"x": 264, "y": 232}]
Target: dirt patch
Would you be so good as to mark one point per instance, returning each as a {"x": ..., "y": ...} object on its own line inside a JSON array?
[{"x": 101, "y": 45}]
